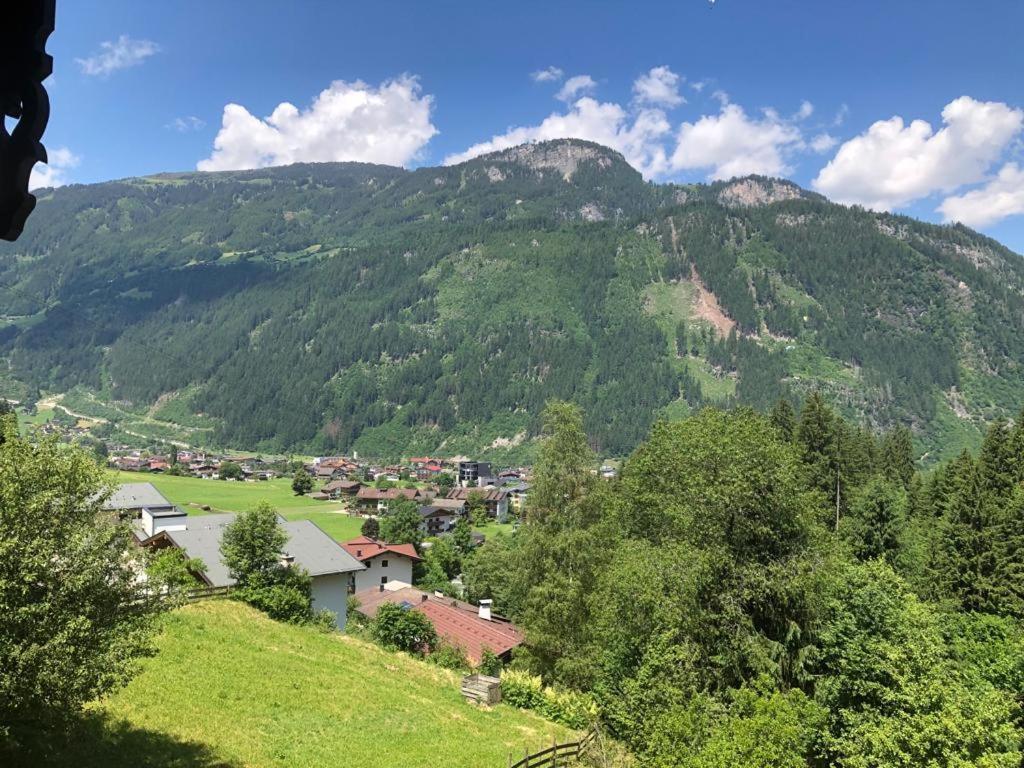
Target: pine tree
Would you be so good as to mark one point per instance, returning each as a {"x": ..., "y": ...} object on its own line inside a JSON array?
[
  {"x": 783, "y": 417},
  {"x": 996, "y": 462},
  {"x": 966, "y": 566},
  {"x": 1017, "y": 448},
  {"x": 817, "y": 437},
  {"x": 898, "y": 455},
  {"x": 1010, "y": 556}
]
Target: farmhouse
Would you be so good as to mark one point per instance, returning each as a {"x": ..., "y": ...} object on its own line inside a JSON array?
[
  {"x": 495, "y": 500},
  {"x": 338, "y": 488},
  {"x": 372, "y": 499},
  {"x": 460, "y": 624},
  {"x": 383, "y": 562},
  {"x": 308, "y": 547},
  {"x": 440, "y": 515}
]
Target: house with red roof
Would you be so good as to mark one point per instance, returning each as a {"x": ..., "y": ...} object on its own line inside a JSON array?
[
  {"x": 371, "y": 499},
  {"x": 384, "y": 562},
  {"x": 469, "y": 627}
]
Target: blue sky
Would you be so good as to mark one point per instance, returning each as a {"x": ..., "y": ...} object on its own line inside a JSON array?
[{"x": 686, "y": 90}]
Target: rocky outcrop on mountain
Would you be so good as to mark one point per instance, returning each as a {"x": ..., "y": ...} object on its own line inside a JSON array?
[{"x": 751, "y": 192}]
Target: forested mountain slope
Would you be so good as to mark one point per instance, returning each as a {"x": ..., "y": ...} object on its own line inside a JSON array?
[{"x": 346, "y": 306}]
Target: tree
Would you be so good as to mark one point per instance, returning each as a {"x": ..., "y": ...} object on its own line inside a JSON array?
[
  {"x": 898, "y": 456},
  {"x": 784, "y": 419},
  {"x": 445, "y": 482},
  {"x": 996, "y": 461},
  {"x": 252, "y": 544},
  {"x": 476, "y": 509},
  {"x": 251, "y": 547},
  {"x": 401, "y": 628},
  {"x": 1009, "y": 554},
  {"x": 74, "y": 618},
  {"x": 302, "y": 482},
  {"x": 370, "y": 528},
  {"x": 462, "y": 536},
  {"x": 817, "y": 436},
  {"x": 966, "y": 553},
  {"x": 172, "y": 573},
  {"x": 230, "y": 470},
  {"x": 877, "y": 520},
  {"x": 401, "y": 523}
]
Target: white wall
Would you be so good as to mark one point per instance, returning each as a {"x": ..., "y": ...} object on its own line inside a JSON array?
[
  {"x": 399, "y": 569},
  {"x": 330, "y": 592}
]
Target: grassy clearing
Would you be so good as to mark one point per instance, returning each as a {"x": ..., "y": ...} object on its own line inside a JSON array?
[
  {"x": 230, "y": 687},
  {"x": 232, "y": 496}
]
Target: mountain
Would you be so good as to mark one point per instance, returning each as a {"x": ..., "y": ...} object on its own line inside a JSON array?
[{"x": 346, "y": 306}]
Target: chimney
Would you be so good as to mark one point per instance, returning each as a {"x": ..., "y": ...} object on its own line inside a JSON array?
[
  {"x": 424, "y": 598},
  {"x": 485, "y": 610},
  {"x": 381, "y": 587}
]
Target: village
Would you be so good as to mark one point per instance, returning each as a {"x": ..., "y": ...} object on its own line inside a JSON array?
[{"x": 358, "y": 573}]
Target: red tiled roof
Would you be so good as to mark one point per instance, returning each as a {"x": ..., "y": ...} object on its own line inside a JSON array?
[
  {"x": 372, "y": 494},
  {"x": 455, "y": 621},
  {"x": 364, "y": 548}
]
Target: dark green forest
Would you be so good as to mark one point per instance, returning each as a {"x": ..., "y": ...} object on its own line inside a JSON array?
[
  {"x": 776, "y": 590},
  {"x": 342, "y": 306}
]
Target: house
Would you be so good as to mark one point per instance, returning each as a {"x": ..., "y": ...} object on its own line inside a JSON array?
[
  {"x": 130, "y": 499},
  {"x": 383, "y": 562},
  {"x": 517, "y": 491},
  {"x": 330, "y": 567},
  {"x": 472, "y": 473},
  {"x": 437, "y": 520},
  {"x": 469, "y": 627},
  {"x": 494, "y": 499},
  {"x": 372, "y": 499},
  {"x": 338, "y": 488}
]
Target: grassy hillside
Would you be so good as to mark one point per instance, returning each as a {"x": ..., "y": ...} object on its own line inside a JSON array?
[
  {"x": 230, "y": 687},
  {"x": 228, "y": 496}
]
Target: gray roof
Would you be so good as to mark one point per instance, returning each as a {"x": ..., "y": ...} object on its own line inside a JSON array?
[
  {"x": 136, "y": 496},
  {"x": 312, "y": 549}
]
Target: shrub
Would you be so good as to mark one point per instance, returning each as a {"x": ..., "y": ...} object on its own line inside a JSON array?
[
  {"x": 449, "y": 656},
  {"x": 489, "y": 664},
  {"x": 403, "y": 629},
  {"x": 526, "y": 691}
]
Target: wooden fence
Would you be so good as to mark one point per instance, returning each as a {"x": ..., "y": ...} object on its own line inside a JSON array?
[
  {"x": 203, "y": 593},
  {"x": 556, "y": 755}
]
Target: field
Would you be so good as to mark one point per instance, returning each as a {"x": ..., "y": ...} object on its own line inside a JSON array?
[
  {"x": 231, "y": 496},
  {"x": 229, "y": 687}
]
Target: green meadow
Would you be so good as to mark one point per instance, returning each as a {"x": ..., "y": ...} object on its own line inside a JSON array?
[{"x": 228, "y": 688}]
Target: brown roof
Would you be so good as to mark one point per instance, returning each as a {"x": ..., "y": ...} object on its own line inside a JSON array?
[
  {"x": 364, "y": 548},
  {"x": 341, "y": 485},
  {"x": 485, "y": 494},
  {"x": 372, "y": 494},
  {"x": 454, "y": 621}
]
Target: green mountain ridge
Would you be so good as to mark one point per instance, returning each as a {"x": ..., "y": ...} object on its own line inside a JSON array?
[{"x": 347, "y": 306}]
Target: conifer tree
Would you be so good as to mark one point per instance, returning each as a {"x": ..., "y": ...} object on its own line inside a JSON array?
[
  {"x": 783, "y": 417},
  {"x": 898, "y": 455},
  {"x": 996, "y": 461},
  {"x": 966, "y": 566}
]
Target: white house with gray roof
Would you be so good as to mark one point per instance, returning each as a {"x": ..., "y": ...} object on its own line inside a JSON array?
[{"x": 199, "y": 536}]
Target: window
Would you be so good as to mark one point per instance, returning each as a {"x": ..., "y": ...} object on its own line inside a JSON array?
[
  {"x": 383, "y": 563},
  {"x": 383, "y": 579}
]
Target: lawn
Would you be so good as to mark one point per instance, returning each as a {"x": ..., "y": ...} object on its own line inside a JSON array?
[
  {"x": 229, "y": 687},
  {"x": 232, "y": 496}
]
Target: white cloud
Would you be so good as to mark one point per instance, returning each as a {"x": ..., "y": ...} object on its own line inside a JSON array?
[
  {"x": 659, "y": 87},
  {"x": 892, "y": 164},
  {"x": 53, "y": 173},
  {"x": 841, "y": 115},
  {"x": 1001, "y": 197},
  {"x": 575, "y": 86},
  {"x": 186, "y": 124},
  {"x": 823, "y": 142},
  {"x": 698, "y": 86},
  {"x": 549, "y": 75},
  {"x": 637, "y": 136},
  {"x": 733, "y": 144},
  {"x": 805, "y": 111},
  {"x": 348, "y": 121},
  {"x": 122, "y": 53}
]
